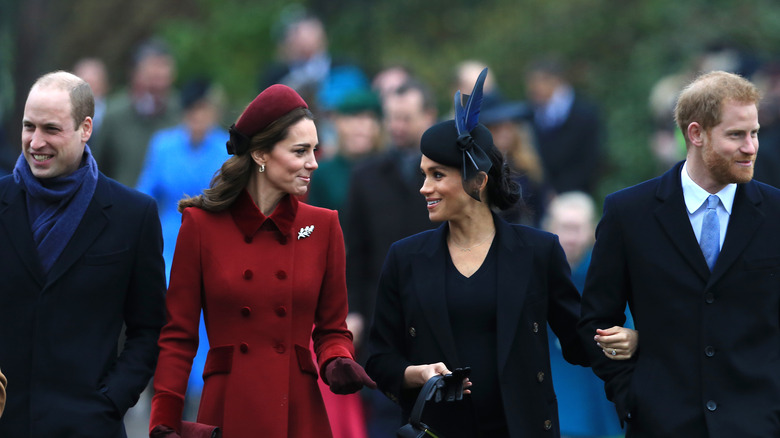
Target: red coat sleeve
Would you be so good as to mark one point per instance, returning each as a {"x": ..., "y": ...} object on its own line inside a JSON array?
[
  {"x": 179, "y": 337},
  {"x": 331, "y": 337}
]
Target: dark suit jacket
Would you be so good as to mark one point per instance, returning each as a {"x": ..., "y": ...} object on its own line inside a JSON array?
[
  {"x": 708, "y": 364},
  {"x": 59, "y": 332},
  {"x": 571, "y": 153},
  {"x": 383, "y": 207},
  {"x": 412, "y": 326}
]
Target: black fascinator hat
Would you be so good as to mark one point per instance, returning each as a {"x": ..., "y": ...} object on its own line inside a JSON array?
[{"x": 462, "y": 143}]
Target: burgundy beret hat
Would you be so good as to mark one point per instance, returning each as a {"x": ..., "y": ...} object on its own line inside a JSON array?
[{"x": 271, "y": 104}]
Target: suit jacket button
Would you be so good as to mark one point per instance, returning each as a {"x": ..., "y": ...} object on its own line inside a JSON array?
[
  {"x": 412, "y": 332},
  {"x": 280, "y": 348},
  {"x": 709, "y": 351},
  {"x": 535, "y": 327},
  {"x": 711, "y": 406},
  {"x": 540, "y": 376},
  {"x": 247, "y": 274},
  {"x": 244, "y": 347},
  {"x": 547, "y": 424},
  {"x": 282, "y": 240},
  {"x": 281, "y": 311},
  {"x": 281, "y": 275},
  {"x": 246, "y": 311},
  {"x": 709, "y": 298},
  {"x": 248, "y": 239}
]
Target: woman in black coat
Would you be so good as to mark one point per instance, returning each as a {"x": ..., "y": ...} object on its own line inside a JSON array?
[{"x": 476, "y": 292}]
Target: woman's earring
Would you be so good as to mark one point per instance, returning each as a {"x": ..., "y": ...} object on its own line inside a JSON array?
[{"x": 261, "y": 169}]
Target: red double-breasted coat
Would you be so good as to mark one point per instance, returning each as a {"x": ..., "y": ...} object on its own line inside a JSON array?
[{"x": 262, "y": 283}]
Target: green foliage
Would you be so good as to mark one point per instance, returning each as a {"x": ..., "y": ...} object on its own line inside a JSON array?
[{"x": 229, "y": 42}]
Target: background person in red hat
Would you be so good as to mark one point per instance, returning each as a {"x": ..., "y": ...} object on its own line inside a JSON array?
[{"x": 264, "y": 268}]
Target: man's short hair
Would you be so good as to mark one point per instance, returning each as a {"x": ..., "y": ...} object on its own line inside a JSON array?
[
  {"x": 413, "y": 84},
  {"x": 82, "y": 101},
  {"x": 702, "y": 100}
]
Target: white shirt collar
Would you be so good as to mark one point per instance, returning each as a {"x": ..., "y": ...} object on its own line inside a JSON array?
[{"x": 695, "y": 196}]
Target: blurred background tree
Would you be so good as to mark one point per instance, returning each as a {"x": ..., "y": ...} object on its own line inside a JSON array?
[{"x": 616, "y": 50}]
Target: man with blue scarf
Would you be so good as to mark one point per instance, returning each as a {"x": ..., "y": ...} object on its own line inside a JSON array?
[{"x": 81, "y": 257}]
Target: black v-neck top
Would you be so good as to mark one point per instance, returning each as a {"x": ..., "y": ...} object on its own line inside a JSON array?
[{"x": 472, "y": 306}]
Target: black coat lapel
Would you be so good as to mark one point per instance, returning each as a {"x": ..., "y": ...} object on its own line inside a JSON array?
[
  {"x": 13, "y": 216},
  {"x": 745, "y": 220},
  {"x": 428, "y": 273},
  {"x": 672, "y": 214},
  {"x": 515, "y": 267}
]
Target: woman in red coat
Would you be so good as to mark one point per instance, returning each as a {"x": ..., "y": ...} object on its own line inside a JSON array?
[{"x": 264, "y": 268}]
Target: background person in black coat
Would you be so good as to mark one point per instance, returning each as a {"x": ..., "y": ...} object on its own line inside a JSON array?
[{"x": 568, "y": 128}]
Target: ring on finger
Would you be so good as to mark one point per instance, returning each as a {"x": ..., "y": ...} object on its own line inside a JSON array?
[{"x": 613, "y": 352}]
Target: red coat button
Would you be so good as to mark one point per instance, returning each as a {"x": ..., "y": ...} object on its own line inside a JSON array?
[
  {"x": 248, "y": 239},
  {"x": 281, "y": 311},
  {"x": 247, "y": 274},
  {"x": 282, "y": 240},
  {"x": 280, "y": 348},
  {"x": 244, "y": 347},
  {"x": 246, "y": 311},
  {"x": 281, "y": 275}
]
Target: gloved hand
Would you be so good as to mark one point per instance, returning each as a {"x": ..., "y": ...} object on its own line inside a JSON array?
[
  {"x": 345, "y": 376},
  {"x": 163, "y": 431}
]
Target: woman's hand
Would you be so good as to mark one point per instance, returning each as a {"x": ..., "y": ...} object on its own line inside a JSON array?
[
  {"x": 163, "y": 431},
  {"x": 617, "y": 343},
  {"x": 345, "y": 376},
  {"x": 415, "y": 376}
]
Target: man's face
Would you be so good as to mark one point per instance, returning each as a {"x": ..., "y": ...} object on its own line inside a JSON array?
[
  {"x": 730, "y": 148},
  {"x": 405, "y": 119},
  {"x": 155, "y": 75},
  {"x": 574, "y": 229},
  {"x": 541, "y": 87},
  {"x": 51, "y": 144}
]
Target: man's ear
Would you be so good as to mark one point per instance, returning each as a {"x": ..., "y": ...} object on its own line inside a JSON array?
[
  {"x": 86, "y": 129},
  {"x": 696, "y": 134}
]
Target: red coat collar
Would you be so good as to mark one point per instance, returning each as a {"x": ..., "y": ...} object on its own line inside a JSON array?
[{"x": 249, "y": 219}]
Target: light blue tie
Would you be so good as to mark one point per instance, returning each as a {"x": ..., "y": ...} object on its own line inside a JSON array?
[{"x": 710, "y": 232}]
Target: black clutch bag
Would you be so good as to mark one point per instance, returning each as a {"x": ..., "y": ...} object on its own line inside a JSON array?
[
  {"x": 199, "y": 430},
  {"x": 416, "y": 428},
  {"x": 447, "y": 388}
]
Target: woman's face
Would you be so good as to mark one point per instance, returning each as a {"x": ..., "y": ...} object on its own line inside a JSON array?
[
  {"x": 290, "y": 164},
  {"x": 443, "y": 191}
]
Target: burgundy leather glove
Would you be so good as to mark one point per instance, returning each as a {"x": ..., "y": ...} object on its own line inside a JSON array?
[
  {"x": 162, "y": 431},
  {"x": 345, "y": 376}
]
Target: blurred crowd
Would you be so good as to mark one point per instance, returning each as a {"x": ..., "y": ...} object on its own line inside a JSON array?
[{"x": 167, "y": 137}]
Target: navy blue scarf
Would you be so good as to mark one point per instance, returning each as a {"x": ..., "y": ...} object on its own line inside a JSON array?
[{"x": 55, "y": 206}]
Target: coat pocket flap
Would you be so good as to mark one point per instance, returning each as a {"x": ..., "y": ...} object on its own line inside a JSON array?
[
  {"x": 219, "y": 360},
  {"x": 305, "y": 361},
  {"x": 762, "y": 263}
]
